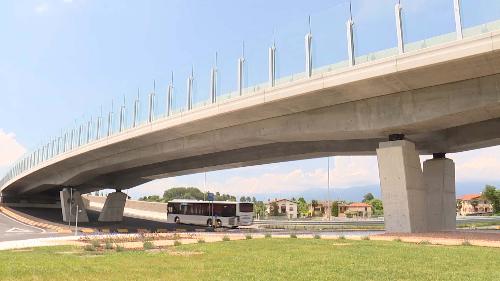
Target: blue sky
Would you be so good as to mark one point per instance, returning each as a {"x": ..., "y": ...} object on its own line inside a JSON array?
[{"x": 62, "y": 60}]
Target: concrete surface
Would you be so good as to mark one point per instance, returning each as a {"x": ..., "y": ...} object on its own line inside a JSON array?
[
  {"x": 113, "y": 207},
  {"x": 439, "y": 180},
  {"x": 402, "y": 184},
  {"x": 71, "y": 204},
  {"x": 11, "y": 230}
]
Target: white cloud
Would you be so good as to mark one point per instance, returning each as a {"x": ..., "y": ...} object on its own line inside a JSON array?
[
  {"x": 10, "y": 149},
  {"x": 42, "y": 7}
]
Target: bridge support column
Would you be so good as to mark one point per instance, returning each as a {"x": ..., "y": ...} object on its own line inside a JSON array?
[
  {"x": 113, "y": 208},
  {"x": 403, "y": 188},
  {"x": 69, "y": 202},
  {"x": 439, "y": 178}
]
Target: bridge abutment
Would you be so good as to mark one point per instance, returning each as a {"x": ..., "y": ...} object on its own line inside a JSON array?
[
  {"x": 113, "y": 208},
  {"x": 71, "y": 202}
]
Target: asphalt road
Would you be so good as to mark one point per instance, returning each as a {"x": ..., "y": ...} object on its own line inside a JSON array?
[{"x": 11, "y": 230}]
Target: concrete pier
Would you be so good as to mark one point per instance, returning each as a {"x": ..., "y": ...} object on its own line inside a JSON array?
[
  {"x": 114, "y": 207},
  {"x": 70, "y": 203},
  {"x": 439, "y": 179}
]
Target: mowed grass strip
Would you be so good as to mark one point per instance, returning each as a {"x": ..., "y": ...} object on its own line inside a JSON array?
[{"x": 259, "y": 259}]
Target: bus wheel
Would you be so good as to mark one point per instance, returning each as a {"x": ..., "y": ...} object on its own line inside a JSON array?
[
  {"x": 209, "y": 222},
  {"x": 219, "y": 223},
  {"x": 177, "y": 220}
]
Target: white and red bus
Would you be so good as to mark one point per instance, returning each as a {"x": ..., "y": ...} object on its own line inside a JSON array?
[{"x": 210, "y": 213}]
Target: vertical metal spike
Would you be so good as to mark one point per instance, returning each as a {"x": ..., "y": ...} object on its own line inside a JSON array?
[{"x": 399, "y": 27}]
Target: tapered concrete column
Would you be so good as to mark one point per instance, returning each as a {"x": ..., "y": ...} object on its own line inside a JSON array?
[
  {"x": 70, "y": 203},
  {"x": 403, "y": 189},
  {"x": 439, "y": 178},
  {"x": 113, "y": 207}
]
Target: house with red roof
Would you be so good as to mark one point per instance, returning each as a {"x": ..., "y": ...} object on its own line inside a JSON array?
[
  {"x": 355, "y": 210},
  {"x": 473, "y": 205}
]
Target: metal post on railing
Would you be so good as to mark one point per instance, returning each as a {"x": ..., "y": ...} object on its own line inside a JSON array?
[
  {"x": 170, "y": 93},
  {"x": 458, "y": 19},
  {"x": 122, "y": 117},
  {"x": 98, "y": 127},
  {"x": 241, "y": 62},
  {"x": 190, "y": 79},
  {"x": 151, "y": 109},
  {"x": 308, "y": 45},
  {"x": 350, "y": 38},
  {"x": 89, "y": 130},
  {"x": 110, "y": 122},
  {"x": 399, "y": 27},
  {"x": 135, "y": 115},
  {"x": 272, "y": 65},
  {"x": 80, "y": 129},
  {"x": 213, "y": 82}
]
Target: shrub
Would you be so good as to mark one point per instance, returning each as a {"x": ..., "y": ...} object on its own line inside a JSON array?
[
  {"x": 108, "y": 245},
  {"x": 267, "y": 235},
  {"x": 424, "y": 242},
  {"x": 365, "y": 238},
  {"x": 201, "y": 241},
  {"x": 342, "y": 237},
  {"x": 147, "y": 245},
  {"x": 293, "y": 235},
  {"x": 95, "y": 243},
  {"x": 177, "y": 243},
  {"x": 226, "y": 238},
  {"x": 317, "y": 236},
  {"x": 89, "y": 248},
  {"x": 248, "y": 236},
  {"x": 397, "y": 240},
  {"x": 119, "y": 248},
  {"x": 466, "y": 243}
]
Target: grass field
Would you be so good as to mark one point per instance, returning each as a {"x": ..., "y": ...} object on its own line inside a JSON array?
[{"x": 259, "y": 259}]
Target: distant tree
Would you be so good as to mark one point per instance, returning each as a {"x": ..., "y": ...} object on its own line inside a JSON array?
[
  {"x": 254, "y": 200},
  {"x": 335, "y": 208},
  {"x": 152, "y": 198},
  {"x": 243, "y": 199},
  {"x": 378, "y": 207},
  {"x": 293, "y": 199},
  {"x": 368, "y": 197},
  {"x": 274, "y": 209},
  {"x": 248, "y": 199},
  {"x": 182, "y": 193},
  {"x": 260, "y": 209},
  {"x": 491, "y": 194},
  {"x": 302, "y": 207}
]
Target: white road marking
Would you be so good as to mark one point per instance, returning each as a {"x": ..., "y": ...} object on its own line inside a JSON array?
[
  {"x": 18, "y": 230},
  {"x": 41, "y": 229}
]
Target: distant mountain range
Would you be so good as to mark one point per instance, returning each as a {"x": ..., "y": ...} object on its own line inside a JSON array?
[{"x": 356, "y": 193}]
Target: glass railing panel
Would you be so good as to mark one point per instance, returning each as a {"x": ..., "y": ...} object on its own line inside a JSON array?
[
  {"x": 374, "y": 29},
  {"x": 426, "y": 19},
  {"x": 329, "y": 40},
  {"x": 227, "y": 68},
  {"x": 201, "y": 82},
  {"x": 479, "y": 16},
  {"x": 290, "y": 48},
  {"x": 179, "y": 97},
  {"x": 256, "y": 67}
]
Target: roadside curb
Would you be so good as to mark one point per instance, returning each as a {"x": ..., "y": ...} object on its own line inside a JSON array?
[{"x": 45, "y": 225}]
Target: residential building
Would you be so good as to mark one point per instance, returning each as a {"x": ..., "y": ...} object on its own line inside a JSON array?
[
  {"x": 319, "y": 208},
  {"x": 359, "y": 210},
  {"x": 473, "y": 204},
  {"x": 285, "y": 207}
]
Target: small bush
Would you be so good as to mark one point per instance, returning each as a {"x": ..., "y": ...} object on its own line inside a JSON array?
[
  {"x": 424, "y": 242},
  {"x": 108, "y": 245},
  {"x": 397, "y": 240},
  {"x": 342, "y": 237},
  {"x": 201, "y": 241},
  {"x": 268, "y": 235},
  {"x": 95, "y": 243},
  {"x": 293, "y": 235},
  {"x": 466, "y": 243},
  {"x": 119, "y": 248},
  {"x": 89, "y": 248},
  {"x": 148, "y": 245},
  {"x": 317, "y": 236},
  {"x": 226, "y": 238},
  {"x": 365, "y": 238},
  {"x": 248, "y": 236}
]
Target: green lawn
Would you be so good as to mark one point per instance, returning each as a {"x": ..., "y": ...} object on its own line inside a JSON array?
[{"x": 259, "y": 259}]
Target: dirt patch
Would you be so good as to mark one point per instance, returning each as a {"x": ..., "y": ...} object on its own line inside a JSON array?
[
  {"x": 23, "y": 250},
  {"x": 341, "y": 244},
  {"x": 69, "y": 253}
]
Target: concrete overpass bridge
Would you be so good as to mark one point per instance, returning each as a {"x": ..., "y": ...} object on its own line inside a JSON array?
[{"x": 439, "y": 98}]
